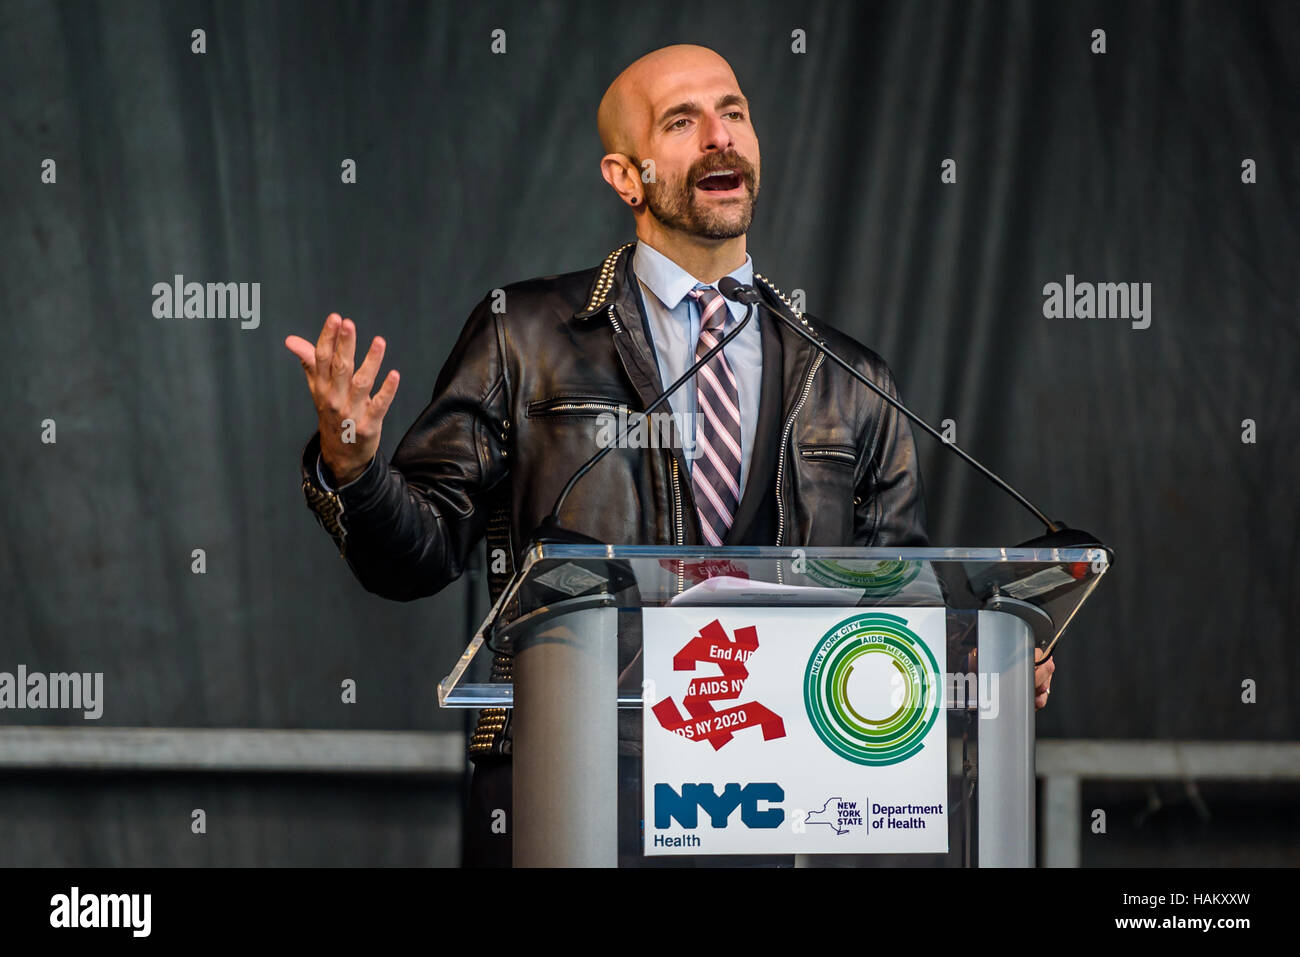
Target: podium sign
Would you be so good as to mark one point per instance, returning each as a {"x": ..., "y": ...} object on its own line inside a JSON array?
[
  {"x": 794, "y": 730},
  {"x": 782, "y": 701}
]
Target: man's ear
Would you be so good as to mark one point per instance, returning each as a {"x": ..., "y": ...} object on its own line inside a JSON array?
[{"x": 624, "y": 177}]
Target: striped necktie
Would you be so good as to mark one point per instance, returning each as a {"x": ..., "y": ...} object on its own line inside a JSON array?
[{"x": 716, "y": 472}]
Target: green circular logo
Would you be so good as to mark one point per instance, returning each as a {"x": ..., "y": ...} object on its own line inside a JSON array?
[
  {"x": 880, "y": 579},
  {"x": 870, "y": 689}
]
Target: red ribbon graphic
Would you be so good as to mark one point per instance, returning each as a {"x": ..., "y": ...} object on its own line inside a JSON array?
[{"x": 712, "y": 646}]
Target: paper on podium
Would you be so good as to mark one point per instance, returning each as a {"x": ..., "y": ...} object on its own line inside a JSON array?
[{"x": 729, "y": 590}]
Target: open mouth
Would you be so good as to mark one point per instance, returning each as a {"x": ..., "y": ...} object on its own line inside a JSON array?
[{"x": 721, "y": 180}]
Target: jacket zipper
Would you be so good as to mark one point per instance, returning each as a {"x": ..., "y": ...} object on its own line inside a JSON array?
[
  {"x": 785, "y": 439},
  {"x": 583, "y": 405},
  {"x": 678, "y": 538},
  {"x": 829, "y": 453}
]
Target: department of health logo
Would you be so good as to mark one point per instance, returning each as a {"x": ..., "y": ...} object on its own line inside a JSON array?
[{"x": 871, "y": 689}]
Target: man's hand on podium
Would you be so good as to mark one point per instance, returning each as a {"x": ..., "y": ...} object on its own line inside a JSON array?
[
  {"x": 348, "y": 416},
  {"x": 1042, "y": 678}
]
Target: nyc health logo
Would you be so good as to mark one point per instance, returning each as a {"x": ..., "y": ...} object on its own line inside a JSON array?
[{"x": 871, "y": 689}]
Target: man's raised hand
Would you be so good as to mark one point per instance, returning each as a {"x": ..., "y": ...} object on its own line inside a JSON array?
[{"x": 349, "y": 417}]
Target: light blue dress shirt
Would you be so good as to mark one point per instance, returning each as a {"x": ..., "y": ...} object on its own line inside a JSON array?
[{"x": 674, "y": 320}]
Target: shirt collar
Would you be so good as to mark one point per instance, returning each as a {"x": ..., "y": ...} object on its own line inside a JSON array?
[{"x": 670, "y": 282}]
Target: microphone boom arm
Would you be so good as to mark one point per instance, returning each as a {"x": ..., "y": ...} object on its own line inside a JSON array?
[{"x": 749, "y": 295}]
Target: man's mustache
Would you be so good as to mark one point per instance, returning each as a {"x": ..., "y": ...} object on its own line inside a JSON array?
[{"x": 727, "y": 161}]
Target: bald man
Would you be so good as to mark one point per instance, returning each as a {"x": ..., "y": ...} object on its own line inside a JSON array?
[{"x": 773, "y": 446}]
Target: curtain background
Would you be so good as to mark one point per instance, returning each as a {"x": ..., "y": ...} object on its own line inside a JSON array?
[{"x": 475, "y": 170}]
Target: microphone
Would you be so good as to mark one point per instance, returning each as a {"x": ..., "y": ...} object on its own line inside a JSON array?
[
  {"x": 550, "y": 531},
  {"x": 1058, "y": 534}
]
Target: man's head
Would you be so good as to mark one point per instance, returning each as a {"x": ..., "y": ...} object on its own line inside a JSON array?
[{"x": 679, "y": 143}]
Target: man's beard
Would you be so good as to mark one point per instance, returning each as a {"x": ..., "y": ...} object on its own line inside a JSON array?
[{"x": 678, "y": 205}]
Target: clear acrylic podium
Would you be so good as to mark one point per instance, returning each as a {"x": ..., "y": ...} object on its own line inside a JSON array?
[{"x": 570, "y": 619}]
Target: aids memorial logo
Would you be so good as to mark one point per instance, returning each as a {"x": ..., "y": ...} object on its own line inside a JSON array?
[
  {"x": 703, "y": 722},
  {"x": 880, "y": 579},
  {"x": 871, "y": 689}
]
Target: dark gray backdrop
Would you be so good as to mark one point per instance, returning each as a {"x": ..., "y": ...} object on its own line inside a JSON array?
[{"x": 475, "y": 170}]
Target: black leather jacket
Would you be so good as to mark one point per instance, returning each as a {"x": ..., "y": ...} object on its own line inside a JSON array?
[{"x": 513, "y": 414}]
